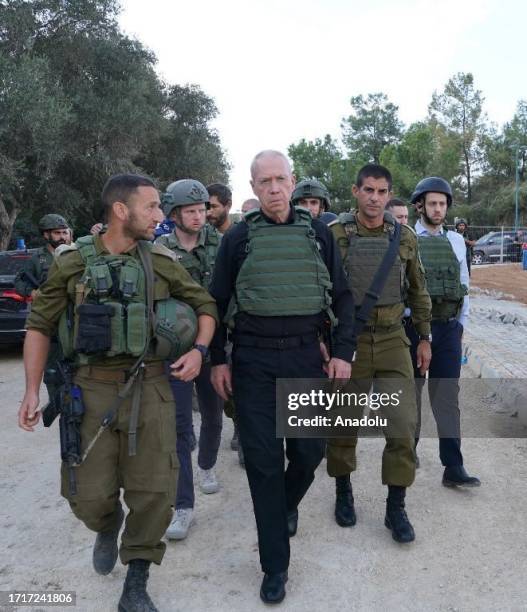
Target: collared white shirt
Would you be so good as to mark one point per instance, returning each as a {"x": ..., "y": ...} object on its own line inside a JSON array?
[{"x": 460, "y": 250}]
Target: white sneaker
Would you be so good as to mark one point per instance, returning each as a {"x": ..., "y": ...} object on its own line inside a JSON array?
[
  {"x": 208, "y": 482},
  {"x": 181, "y": 522}
]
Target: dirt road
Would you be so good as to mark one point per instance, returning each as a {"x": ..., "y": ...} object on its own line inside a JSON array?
[
  {"x": 510, "y": 279},
  {"x": 470, "y": 551}
]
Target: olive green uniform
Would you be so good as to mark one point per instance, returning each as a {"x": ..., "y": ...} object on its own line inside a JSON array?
[
  {"x": 199, "y": 262},
  {"x": 148, "y": 477},
  {"x": 383, "y": 353},
  {"x": 37, "y": 268}
]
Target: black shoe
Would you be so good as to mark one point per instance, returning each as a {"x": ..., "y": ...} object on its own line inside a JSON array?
[
  {"x": 292, "y": 522},
  {"x": 134, "y": 597},
  {"x": 396, "y": 518},
  {"x": 456, "y": 476},
  {"x": 241, "y": 456},
  {"x": 235, "y": 443},
  {"x": 105, "y": 551},
  {"x": 344, "y": 508},
  {"x": 272, "y": 590}
]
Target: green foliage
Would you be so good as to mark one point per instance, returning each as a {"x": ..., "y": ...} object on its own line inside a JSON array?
[
  {"x": 80, "y": 101},
  {"x": 373, "y": 125},
  {"x": 187, "y": 111},
  {"x": 426, "y": 149},
  {"x": 460, "y": 109},
  {"x": 322, "y": 159},
  {"x": 455, "y": 141}
]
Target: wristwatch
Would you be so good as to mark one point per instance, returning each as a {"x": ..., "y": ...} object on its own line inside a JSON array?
[
  {"x": 427, "y": 337},
  {"x": 204, "y": 350}
]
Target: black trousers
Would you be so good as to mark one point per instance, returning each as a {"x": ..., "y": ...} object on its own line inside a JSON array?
[
  {"x": 274, "y": 492},
  {"x": 443, "y": 387}
]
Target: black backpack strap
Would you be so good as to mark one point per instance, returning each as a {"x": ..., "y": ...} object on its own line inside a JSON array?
[{"x": 377, "y": 285}]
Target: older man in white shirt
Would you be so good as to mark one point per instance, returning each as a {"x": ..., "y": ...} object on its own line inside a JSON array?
[{"x": 443, "y": 254}]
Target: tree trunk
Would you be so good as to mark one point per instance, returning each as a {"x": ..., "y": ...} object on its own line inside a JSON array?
[
  {"x": 7, "y": 220},
  {"x": 469, "y": 178}
]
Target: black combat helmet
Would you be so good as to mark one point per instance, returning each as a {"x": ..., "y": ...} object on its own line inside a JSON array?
[{"x": 435, "y": 184}]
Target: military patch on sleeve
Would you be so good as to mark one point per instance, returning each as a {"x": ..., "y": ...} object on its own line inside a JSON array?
[{"x": 161, "y": 249}]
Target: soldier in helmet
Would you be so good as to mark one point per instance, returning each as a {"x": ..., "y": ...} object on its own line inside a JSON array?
[
  {"x": 443, "y": 254},
  {"x": 462, "y": 228},
  {"x": 313, "y": 195},
  {"x": 122, "y": 306},
  {"x": 55, "y": 231},
  {"x": 194, "y": 244},
  {"x": 375, "y": 248}
]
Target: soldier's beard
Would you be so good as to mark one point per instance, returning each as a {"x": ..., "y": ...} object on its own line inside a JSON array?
[
  {"x": 219, "y": 220},
  {"x": 132, "y": 230},
  {"x": 56, "y": 243},
  {"x": 433, "y": 222}
]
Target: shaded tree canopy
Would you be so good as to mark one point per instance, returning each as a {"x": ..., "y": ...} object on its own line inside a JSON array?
[
  {"x": 373, "y": 125},
  {"x": 80, "y": 101}
]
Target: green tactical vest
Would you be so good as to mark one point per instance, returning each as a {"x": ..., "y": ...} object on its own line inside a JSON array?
[
  {"x": 365, "y": 254},
  {"x": 199, "y": 262},
  {"x": 283, "y": 273},
  {"x": 442, "y": 271},
  {"x": 117, "y": 281}
]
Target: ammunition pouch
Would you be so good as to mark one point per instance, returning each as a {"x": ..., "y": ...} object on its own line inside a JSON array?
[{"x": 94, "y": 332}]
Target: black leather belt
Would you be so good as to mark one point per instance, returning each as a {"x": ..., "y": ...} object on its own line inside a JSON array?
[
  {"x": 274, "y": 343},
  {"x": 444, "y": 320}
]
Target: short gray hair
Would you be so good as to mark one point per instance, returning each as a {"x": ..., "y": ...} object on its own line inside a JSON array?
[{"x": 268, "y": 153}]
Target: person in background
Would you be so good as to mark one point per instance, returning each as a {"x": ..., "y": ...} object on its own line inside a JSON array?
[{"x": 398, "y": 210}]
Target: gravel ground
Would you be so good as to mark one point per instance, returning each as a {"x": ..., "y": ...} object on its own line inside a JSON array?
[{"x": 469, "y": 553}]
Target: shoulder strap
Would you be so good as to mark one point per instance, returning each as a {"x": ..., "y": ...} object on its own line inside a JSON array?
[
  {"x": 144, "y": 250},
  {"x": 86, "y": 248},
  {"x": 345, "y": 218},
  {"x": 302, "y": 216},
  {"x": 379, "y": 280}
]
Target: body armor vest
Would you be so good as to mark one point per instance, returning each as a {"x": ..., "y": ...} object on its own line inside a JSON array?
[
  {"x": 442, "y": 271},
  {"x": 114, "y": 281},
  {"x": 199, "y": 262},
  {"x": 365, "y": 254},
  {"x": 283, "y": 273}
]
